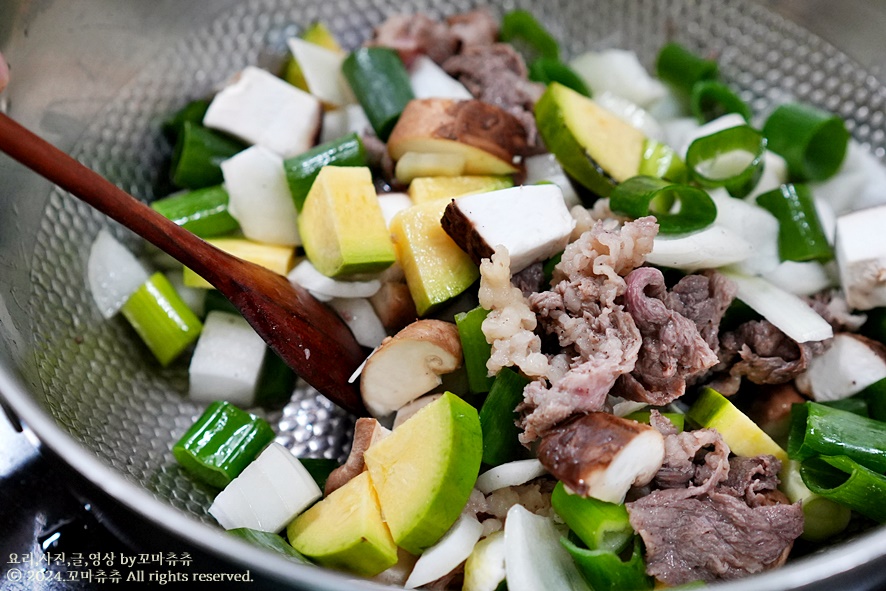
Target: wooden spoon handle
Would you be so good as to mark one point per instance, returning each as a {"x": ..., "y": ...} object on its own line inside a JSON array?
[{"x": 90, "y": 187}]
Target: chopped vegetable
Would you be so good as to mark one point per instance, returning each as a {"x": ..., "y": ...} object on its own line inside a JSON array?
[
  {"x": 268, "y": 494},
  {"x": 522, "y": 29},
  {"x": 444, "y": 556},
  {"x": 547, "y": 70},
  {"x": 818, "y": 429},
  {"x": 412, "y": 165},
  {"x": 380, "y": 82},
  {"x": 605, "y": 570},
  {"x": 260, "y": 108},
  {"x": 162, "y": 319},
  {"x": 476, "y": 349},
  {"x": 682, "y": 69},
  {"x": 302, "y": 170},
  {"x": 227, "y": 361},
  {"x": 850, "y": 364},
  {"x": 485, "y": 567},
  {"x": 595, "y": 147},
  {"x": 259, "y": 197},
  {"x": 361, "y": 318},
  {"x": 317, "y": 65},
  {"x": 861, "y": 257},
  {"x": 841, "y": 479},
  {"x": 498, "y": 419},
  {"x": 325, "y": 288},
  {"x": 598, "y": 524},
  {"x": 113, "y": 272},
  {"x": 800, "y": 235},
  {"x": 198, "y": 154},
  {"x": 510, "y": 474},
  {"x": 428, "y": 80},
  {"x": 425, "y": 189},
  {"x": 812, "y": 141},
  {"x": 203, "y": 211},
  {"x": 731, "y": 158},
  {"x": 711, "y": 99},
  {"x": 425, "y": 470},
  {"x": 269, "y": 541},
  {"x": 636, "y": 197},
  {"x": 342, "y": 226},
  {"x": 409, "y": 364},
  {"x": 346, "y": 531},
  {"x": 221, "y": 443}
]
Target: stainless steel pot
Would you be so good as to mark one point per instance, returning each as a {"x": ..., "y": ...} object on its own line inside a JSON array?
[{"x": 97, "y": 78}]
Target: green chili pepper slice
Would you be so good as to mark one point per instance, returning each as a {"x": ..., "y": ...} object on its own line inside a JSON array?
[
  {"x": 731, "y": 158},
  {"x": 636, "y": 198}
]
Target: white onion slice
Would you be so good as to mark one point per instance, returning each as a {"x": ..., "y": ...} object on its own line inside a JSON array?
[
  {"x": 341, "y": 122},
  {"x": 429, "y": 80},
  {"x": 620, "y": 72},
  {"x": 321, "y": 68},
  {"x": 509, "y": 474},
  {"x": 306, "y": 275},
  {"x": 259, "y": 196},
  {"x": 227, "y": 361},
  {"x": 858, "y": 184},
  {"x": 444, "y": 556},
  {"x": 787, "y": 312},
  {"x": 113, "y": 272},
  {"x": 485, "y": 567},
  {"x": 361, "y": 318},
  {"x": 393, "y": 203},
  {"x": 268, "y": 494},
  {"x": 753, "y": 223},
  {"x": 710, "y": 248},
  {"x": 534, "y": 557},
  {"x": 802, "y": 279}
]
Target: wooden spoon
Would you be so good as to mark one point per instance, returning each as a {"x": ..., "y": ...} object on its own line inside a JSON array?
[{"x": 307, "y": 334}]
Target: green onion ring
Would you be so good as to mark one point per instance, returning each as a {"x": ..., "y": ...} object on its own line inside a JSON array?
[
  {"x": 800, "y": 235},
  {"x": 711, "y": 99},
  {"x": 847, "y": 482},
  {"x": 742, "y": 138},
  {"x": 642, "y": 195},
  {"x": 812, "y": 141},
  {"x": 662, "y": 161}
]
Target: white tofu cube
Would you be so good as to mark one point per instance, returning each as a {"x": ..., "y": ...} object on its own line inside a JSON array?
[
  {"x": 268, "y": 494},
  {"x": 261, "y": 109},
  {"x": 260, "y": 199},
  {"x": 861, "y": 257}
]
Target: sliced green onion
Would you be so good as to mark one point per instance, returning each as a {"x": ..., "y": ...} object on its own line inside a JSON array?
[
  {"x": 812, "y": 141},
  {"x": 530, "y": 37},
  {"x": 162, "y": 319},
  {"x": 800, "y": 235},
  {"x": 731, "y": 158},
  {"x": 605, "y": 571},
  {"x": 381, "y": 84},
  {"x": 681, "y": 68},
  {"x": 193, "y": 112},
  {"x": 198, "y": 154},
  {"x": 711, "y": 99},
  {"x": 475, "y": 348},
  {"x": 301, "y": 170},
  {"x": 497, "y": 419},
  {"x": 819, "y": 430},
  {"x": 269, "y": 541},
  {"x": 547, "y": 70},
  {"x": 598, "y": 524},
  {"x": 847, "y": 482},
  {"x": 678, "y": 420},
  {"x": 635, "y": 198},
  {"x": 875, "y": 397},
  {"x": 203, "y": 211},
  {"x": 319, "y": 469},
  {"x": 221, "y": 443},
  {"x": 276, "y": 381},
  {"x": 662, "y": 161}
]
